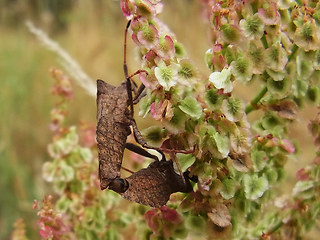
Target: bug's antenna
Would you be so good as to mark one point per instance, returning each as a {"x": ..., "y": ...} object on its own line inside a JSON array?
[{"x": 125, "y": 69}]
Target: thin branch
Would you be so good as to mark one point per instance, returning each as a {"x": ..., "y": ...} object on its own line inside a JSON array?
[
  {"x": 293, "y": 51},
  {"x": 251, "y": 106}
]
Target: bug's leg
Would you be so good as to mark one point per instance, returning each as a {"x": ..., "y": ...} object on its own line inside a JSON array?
[
  {"x": 134, "y": 86},
  {"x": 136, "y": 73},
  {"x": 126, "y": 169},
  {"x": 140, "y": 94},
  {"x": 139, "y": 150},
  {"x": 131, "y": 87},
  {"x": 138, "y": 91},
  {"x": 125, "y": 69}
]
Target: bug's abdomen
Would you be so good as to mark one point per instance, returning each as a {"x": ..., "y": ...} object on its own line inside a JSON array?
[{"x": 111, "y": 138}]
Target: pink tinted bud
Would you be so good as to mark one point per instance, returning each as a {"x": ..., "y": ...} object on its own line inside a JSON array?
[
  {"x": 302, "y": 175},
  {"x": 288, "y": 146}
]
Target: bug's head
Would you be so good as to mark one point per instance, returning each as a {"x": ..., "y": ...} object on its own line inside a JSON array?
[{"x": 119, "y": 185}]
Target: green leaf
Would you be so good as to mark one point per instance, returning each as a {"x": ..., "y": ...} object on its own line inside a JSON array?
[
  {"x": 279, "y": 88},
  {"x": 276, "y": 75},
  {"x": 180, "y": 232},
  {"x": 230, "y": 33},
  {"x": 229, "y": 188},
  {"x": 253, "y": 212},
  {"x": 255, "y": 186},
  {"x": 221, "y": 141},
  {"x": 86, "y": 154},
  {"x": 67, "y": 172},
  {"x": 212, "y": 99},
  {"x": 166, "y": 75},
  {"x": 153, "y": 134},
  {"x": 78, "y": 156},
  {"x": 204, "y": 171},
  {"x": 233, "y": 109},
  {"x": 48, "y": 170},
  {"x": 272, "y": 175},
  {"x": 64, "y": 145},
  {"x": 313, "y": 94},
  {"x": 58, "y": 170},
  {"x": 241, "y": 69},
  {"x": 301, "y": 88},
  {"x": 186, "y": 70},
  {"x": 222, "y": 80},
  {"x": 190, "y": 125},
  {"x": 178, "y": 120},
  {"x": 63, "y": 204},
  {"x": 196, "y": 223},
  {"x": 76, "y": 186},
  {"x": 270, "y": 121},
  {"x": 179, "y": 49},
  {"x": 144, "y": 106},
  {"x": 259, "y": 159},
  {"x": 304, "y": 68},
  {"x": 59, "y": 187},
  {"x": 302, "y": 186},
  {"x": 190, "y": 106},
  {"x": 315, "y": 211},
  {"x": 185, "y": 161}
]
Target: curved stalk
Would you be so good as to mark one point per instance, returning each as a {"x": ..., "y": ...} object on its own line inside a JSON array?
[{"x": 251, "y": 106}]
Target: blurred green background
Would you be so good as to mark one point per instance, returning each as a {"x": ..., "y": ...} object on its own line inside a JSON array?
[{"x": 92, "y": 32}]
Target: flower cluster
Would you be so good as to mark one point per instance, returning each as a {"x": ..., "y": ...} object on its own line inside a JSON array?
[
  {"x": 237, "y": 164},
  {"x": 273, "y": 41},
  {"x": 50, "y": 222},
  {"x": 298, "y": 213},
  {"x": 19, "y": 232},
  {"x": 63, "y": 88},
  {"x": 192, "y": 116},
  {"x": 165, "y": 222}
]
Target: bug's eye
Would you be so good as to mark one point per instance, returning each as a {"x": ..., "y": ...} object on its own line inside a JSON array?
[{"x": 119, "y": 185}]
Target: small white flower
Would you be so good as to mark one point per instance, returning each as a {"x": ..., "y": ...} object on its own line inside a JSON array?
[
  {"x": 167, "y": 76},
  {"x": 222, "y": 80}
]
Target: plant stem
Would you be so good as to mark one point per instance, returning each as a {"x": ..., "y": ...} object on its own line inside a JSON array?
[
  {"x": 264, "y": 41},
  {"x": 276, "y": 227},
  {"x": 294, "y": 49},
  {"x": 251, "y": 106}
]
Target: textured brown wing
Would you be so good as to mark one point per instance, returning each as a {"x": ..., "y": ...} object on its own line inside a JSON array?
[
  {"x": 110, "y": 147},
  {"x": 152, "y": 186},
  {"x": 112, "y": 130},
  {"x": 148, "y": 187}
]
